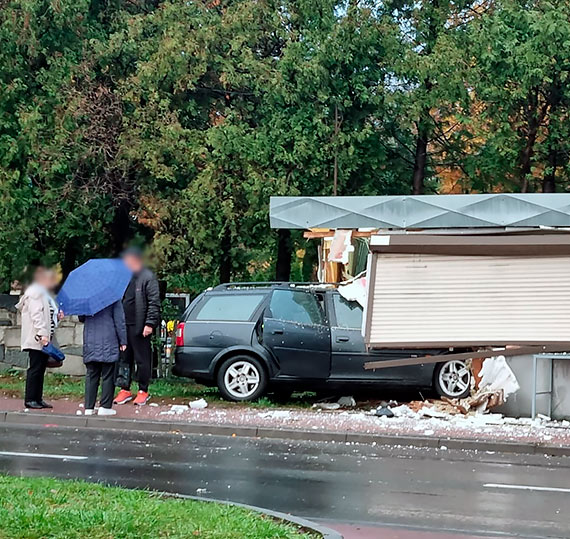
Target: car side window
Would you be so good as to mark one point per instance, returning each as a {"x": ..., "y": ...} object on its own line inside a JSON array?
[
  {"x": 348, "y": 313},
  {"x": 295, "y": 306},
  {"x": 229, "y": 307}
]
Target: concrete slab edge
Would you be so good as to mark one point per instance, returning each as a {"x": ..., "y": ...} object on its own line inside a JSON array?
[
  {"x": 287, "y": 434},
  {"x": 326, "y": 533}
]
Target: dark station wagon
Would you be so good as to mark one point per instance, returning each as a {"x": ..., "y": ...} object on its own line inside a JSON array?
[{"x": 251, "y": 338}]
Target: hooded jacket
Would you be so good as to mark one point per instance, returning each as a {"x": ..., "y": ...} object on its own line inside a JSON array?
[{"x": 36, "y": 321}]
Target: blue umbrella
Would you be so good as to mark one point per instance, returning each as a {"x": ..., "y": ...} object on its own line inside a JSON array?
[{"x": 93, "y": 286}]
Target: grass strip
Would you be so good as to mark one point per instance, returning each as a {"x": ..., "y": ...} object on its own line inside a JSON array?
[{"x": 34, "y": 508}]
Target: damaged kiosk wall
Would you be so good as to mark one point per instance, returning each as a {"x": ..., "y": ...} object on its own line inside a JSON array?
[{"x": 468, "y": 292}]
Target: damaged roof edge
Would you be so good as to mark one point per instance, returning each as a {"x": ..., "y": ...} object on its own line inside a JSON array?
[{"x": 532, "y": 210}]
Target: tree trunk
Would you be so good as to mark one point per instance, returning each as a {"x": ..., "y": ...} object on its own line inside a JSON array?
[
  {"x": 549, "y": 180},
  {"x": 535, "y": 117},
  {"x": 284, "y": 251},
  {"x": 310, "y": 261},
  {"x": 226, "y": 257},
  {"x": 335, "y": 166},
  {"x": 526, "y": 156},
  {"x": 69, "y": 259},
  {"x": 554, "y": 99},
  {"x": 121, "y": 227},
  {"x": 421, "y": 157},
  {"x": 436, "y": 21}
]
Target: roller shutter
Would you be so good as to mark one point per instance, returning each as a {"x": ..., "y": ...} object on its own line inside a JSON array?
[{"x": 461, "y": 300}]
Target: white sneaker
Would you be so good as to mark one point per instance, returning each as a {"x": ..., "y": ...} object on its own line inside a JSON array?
[
  {"x": 106, "y": 411},
  {"x": 89, "y": 411}
]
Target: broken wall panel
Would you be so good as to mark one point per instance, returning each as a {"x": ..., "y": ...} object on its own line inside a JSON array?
[{"x": 461, "y": 300}]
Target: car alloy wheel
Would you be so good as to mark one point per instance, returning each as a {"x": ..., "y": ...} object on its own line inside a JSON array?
[
  {"x": 454, "y": 379},
  {"x": 242, "y": 379}
]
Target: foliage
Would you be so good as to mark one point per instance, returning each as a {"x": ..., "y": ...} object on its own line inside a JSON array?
[{"x": 173, "y": 122}]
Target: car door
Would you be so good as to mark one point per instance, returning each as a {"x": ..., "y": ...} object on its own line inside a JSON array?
[
  {"x": 349, "y": 351},
  {"x": 296, "y": 331}
]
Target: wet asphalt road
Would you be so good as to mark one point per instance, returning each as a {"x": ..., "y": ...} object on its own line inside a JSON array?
[{"x": 442, "y": 491}]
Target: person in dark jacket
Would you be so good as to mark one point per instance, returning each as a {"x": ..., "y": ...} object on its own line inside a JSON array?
[
  {"x": 104, "y": 335},
  {"x": 142, "y": 314}
]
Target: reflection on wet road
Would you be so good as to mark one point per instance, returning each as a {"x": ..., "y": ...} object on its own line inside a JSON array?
[{"x": 435, "y": 490}]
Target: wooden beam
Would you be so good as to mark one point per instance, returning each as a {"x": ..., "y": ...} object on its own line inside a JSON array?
[
  {"x": 320, "y": 234},
  {"x": 481, "y": 354}
]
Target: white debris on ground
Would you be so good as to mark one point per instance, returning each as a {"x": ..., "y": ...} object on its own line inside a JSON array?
[
  {"x": 326, "y": 405},
  {"x": 496, "y": 375},
  {"x": 176, "y": 409},
  {"x": 418, "y": 418},
  {"x": 347, "y": 402},
  {"x": 446, "y": 418},
  {"x": 497, "y": 382},
  {"x": 276, "y": 414},
  {"x": 198, "y": 404}
]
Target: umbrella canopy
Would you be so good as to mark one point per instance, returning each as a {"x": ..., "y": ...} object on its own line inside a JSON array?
[{"x": 93, "y": 286}]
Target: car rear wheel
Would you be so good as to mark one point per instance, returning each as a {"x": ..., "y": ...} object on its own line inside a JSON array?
[
  {"x": 453, "y": 379},
  {"x": 242, "y": 378}
]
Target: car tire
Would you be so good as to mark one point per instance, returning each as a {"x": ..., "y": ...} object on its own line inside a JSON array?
[
  {"x": 242, "y": 378},
  {"x": 452, "y": 379}
]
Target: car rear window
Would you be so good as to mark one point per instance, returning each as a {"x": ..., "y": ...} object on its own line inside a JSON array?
[{"x": 229, "y": 307}]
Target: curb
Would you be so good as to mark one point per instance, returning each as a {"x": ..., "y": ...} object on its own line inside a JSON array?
[
  {"x": 303, "y": 523},
  {"x": 24, "y": 418}
]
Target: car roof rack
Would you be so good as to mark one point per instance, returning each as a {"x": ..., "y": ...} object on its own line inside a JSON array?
[{"x": 274, "y": 284}]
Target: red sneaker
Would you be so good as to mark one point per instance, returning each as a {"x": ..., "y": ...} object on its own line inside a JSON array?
[
  {"x": 142, "y": 398},
  {"x": 123, "y": 397}
]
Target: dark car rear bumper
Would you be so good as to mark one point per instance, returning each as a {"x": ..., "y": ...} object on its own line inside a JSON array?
[{"x": 191, "y": 365}]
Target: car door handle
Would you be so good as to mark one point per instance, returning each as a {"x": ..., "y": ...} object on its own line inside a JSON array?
[
  {"x": 342, "y": 339},
  {"x": 277, "y": 332}
]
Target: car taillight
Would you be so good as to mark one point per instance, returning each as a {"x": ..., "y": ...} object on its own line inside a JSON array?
[{"x": 180, "y": 334}]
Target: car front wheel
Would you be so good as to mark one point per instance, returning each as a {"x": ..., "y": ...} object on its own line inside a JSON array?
[
  {"x": 242, "y": 378},
  {"x": 453, "y": 379}
]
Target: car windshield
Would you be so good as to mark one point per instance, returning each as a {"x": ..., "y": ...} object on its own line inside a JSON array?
[{"x": 348, "y": 313}]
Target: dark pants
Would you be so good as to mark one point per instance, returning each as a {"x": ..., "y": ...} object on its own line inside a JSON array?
[
  {"x": 139, "y": 353},
  {"x": 104, "y": 372},
  {"x": 35, "y": 376}
]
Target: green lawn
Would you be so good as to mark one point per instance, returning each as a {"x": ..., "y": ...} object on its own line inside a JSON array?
[
  {"x": 42, "y": 508},
  {"x": 58, "y": 386},
  {"x": 174, "y": 390}
]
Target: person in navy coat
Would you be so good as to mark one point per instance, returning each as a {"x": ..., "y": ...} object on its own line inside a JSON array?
[{"x": 104, "y": 337}]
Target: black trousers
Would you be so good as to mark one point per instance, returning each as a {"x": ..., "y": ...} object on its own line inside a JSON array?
[
  {"x": 35, "y": 376},
  {"x": 139, "y": 354},
  {"x": 97, "y": 371}
]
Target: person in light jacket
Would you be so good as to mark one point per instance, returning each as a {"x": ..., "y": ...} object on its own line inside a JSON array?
[
  {"x": 39, "y": 320},
  {"x": 104, "y": 335}
]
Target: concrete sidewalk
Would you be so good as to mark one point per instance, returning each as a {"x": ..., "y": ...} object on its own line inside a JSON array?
[{"x": 337, "y": 426}]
